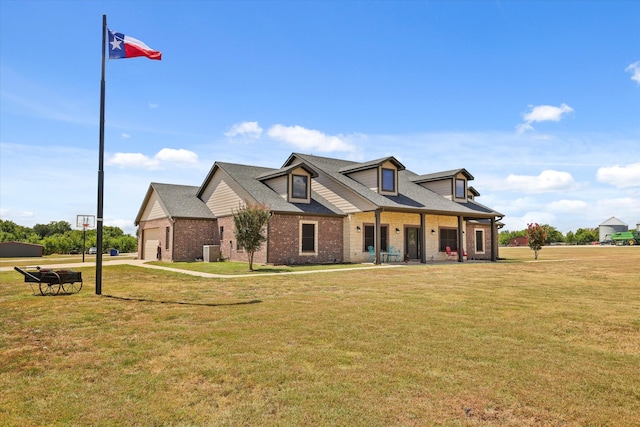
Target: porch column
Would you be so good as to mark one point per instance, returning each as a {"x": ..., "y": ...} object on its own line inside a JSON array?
[
  {"x": 423, "y": 238},
  {"x": 494, "y": 256},
  {"x": 460, "y": 240},
  {"x": 377, "y": 236}
]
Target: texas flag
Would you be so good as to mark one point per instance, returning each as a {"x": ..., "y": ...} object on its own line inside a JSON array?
[{"x": 121, "y": 46}]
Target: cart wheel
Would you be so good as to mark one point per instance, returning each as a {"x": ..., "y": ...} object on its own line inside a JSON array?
[
  {"x": 72, "y": 288},
  {"x": 50, "y": 283}
]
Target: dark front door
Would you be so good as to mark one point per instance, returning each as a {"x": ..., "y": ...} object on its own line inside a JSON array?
[{"x": 412, "y": 242}]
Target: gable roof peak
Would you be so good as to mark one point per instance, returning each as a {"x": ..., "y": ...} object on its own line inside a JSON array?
[{"x": 437, "y": 176}]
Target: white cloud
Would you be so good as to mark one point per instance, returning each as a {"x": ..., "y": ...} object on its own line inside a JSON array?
[
  {"x": 9, "y": 213},
  {"x": 568, "y": 206},
  {"x": 514, "y": 223},
  {"x": 177, "y": 156},
  {"x": 153, "y": 105},
  {"x": 142, "y": 161},
  {"x": 634, "y": 69},
  {"x": 542, "y": 113},
  {"x": 310, "y": 139},
  {"x": 620, "y": 176},
  {"x": 547, "y": 181},
  {"x": 125, "y": 136},
  {"x": 248, "y": 129}
]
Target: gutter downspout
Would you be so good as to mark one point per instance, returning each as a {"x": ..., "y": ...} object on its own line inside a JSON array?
[
  {"x": 377, "y": 236},
  {"x": 423, "y": 238},
  {"x": 460, "y": 242}
]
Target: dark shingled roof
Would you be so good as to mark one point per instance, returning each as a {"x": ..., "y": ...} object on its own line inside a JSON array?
[
  {"x": 249, "y": 178},
  {"x": 179, "y": 201},
  {"x": 442, "y": 175},
  {"x": 411, "y": 196}
]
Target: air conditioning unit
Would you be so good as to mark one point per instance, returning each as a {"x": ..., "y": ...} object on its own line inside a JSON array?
[{"x": 211, "y": 253}]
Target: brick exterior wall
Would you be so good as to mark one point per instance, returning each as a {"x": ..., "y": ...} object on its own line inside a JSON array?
[
  {"x": 470, "y": 233},
  {"x": 161, "y": 223},
  {"x": 190, "y": 235},
  {"x": 284, "y": 240},
  {"x": 283, "y": 244},
  {"x": 229, "y": 245},
  {"x": 186, "y": 237}
]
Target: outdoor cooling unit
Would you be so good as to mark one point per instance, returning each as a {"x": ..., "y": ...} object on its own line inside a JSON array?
[{"x": 211, "y": 253}]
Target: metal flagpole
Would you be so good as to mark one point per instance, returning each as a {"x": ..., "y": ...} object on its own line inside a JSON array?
[{"x": 101, "y": 167}]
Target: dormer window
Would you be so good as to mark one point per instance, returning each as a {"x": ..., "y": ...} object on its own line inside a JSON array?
[
  {"x": 300, "y": 186},
  {"x": 461, "y": 188},
  {"x": 388, "y": 180}
]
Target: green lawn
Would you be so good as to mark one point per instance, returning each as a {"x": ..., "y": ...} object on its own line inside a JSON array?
[
  {"x": 551, "y": 342},
  {"x": 241, "y": 268}
]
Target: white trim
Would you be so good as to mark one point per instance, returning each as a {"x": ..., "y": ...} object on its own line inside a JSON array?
[
  {"x": 315, "y": 238},
  {"x": 475, "y": 241}
]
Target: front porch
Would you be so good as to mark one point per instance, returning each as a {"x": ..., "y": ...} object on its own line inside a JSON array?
[{"x": 417, "y": 237}]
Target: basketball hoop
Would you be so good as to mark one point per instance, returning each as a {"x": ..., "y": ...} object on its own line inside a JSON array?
[{"x": 85, "y": 222}]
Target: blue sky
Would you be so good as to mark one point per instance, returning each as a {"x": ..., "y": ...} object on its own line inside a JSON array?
[{"x": 539, "y": 101}]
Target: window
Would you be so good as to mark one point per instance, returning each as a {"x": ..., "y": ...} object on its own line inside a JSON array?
[
  {"x": 461, "y": 191},
  {"x": 300, "y": 186},
  {"x": 308, "y": 238},
  {"x": 388, "y": 180},
  {"x": 221, "y": 234},
  {"x": 448, "y": 237},
  {"x": 479, "y": 241},
  {"x": 166, "y": 238},
  {"x": 369, "y": 237}
]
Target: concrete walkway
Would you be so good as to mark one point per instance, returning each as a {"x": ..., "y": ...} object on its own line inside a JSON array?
[{"x": 143, "y": 263}]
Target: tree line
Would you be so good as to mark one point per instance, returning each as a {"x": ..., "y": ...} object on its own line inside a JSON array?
[
  {"x": 58, "y": 237},
  {"x": 582, "y": 236}
]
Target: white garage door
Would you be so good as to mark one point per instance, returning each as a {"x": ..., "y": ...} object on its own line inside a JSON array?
[{"x": 151, "y": 238}]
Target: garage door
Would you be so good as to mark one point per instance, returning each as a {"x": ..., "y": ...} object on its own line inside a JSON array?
[{"x": 151, "y": 238}]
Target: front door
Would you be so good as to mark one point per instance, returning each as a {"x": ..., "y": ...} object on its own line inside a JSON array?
[{"x": 412, "y": 242}]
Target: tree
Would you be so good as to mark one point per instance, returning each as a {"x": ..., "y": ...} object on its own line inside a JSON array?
[
  {"x": 553, "y": 235},
  {"x": 537, "y": 234},
  {"x": 584, "y": 236},
  {"x": 250, "y": 222},
  {"x": 505, "y": 236}
]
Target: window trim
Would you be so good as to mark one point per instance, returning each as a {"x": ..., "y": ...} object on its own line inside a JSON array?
[
  {"x": 384, "y": 236},
  {"x": 463, "y": 191},
  {"x": 442, "y": 244},
  {"x": 294, "y": 195},
  {"x": 475, "y": 237},
  {"x": 315, "y": 238},
  {"x": 394, "y": 180}
]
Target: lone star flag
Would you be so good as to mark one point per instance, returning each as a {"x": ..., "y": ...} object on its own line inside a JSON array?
[{"x": 121, "y": 46}]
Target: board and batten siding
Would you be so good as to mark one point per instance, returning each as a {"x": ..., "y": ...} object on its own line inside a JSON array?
[{"x": 153, "y": 210}]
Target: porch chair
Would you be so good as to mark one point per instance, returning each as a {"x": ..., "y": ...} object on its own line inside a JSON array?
[
  {"x": 372, "y": 254},
  {"x": 394, "y": 254},
  {"x": 452, "y": 255}
]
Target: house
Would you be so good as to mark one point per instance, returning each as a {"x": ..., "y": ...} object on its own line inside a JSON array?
[
  {"x": 519, "y": 241},
  {"x": 323, "y": 210}
]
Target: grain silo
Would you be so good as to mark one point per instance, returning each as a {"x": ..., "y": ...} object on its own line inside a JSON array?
[{"x": 610, "y": 226}]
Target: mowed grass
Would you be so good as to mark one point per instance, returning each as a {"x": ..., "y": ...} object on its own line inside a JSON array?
[{"x": 551, "y": 342}]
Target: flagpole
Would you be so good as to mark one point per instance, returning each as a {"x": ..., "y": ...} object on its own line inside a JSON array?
[{"x": 101, "y": 167}]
